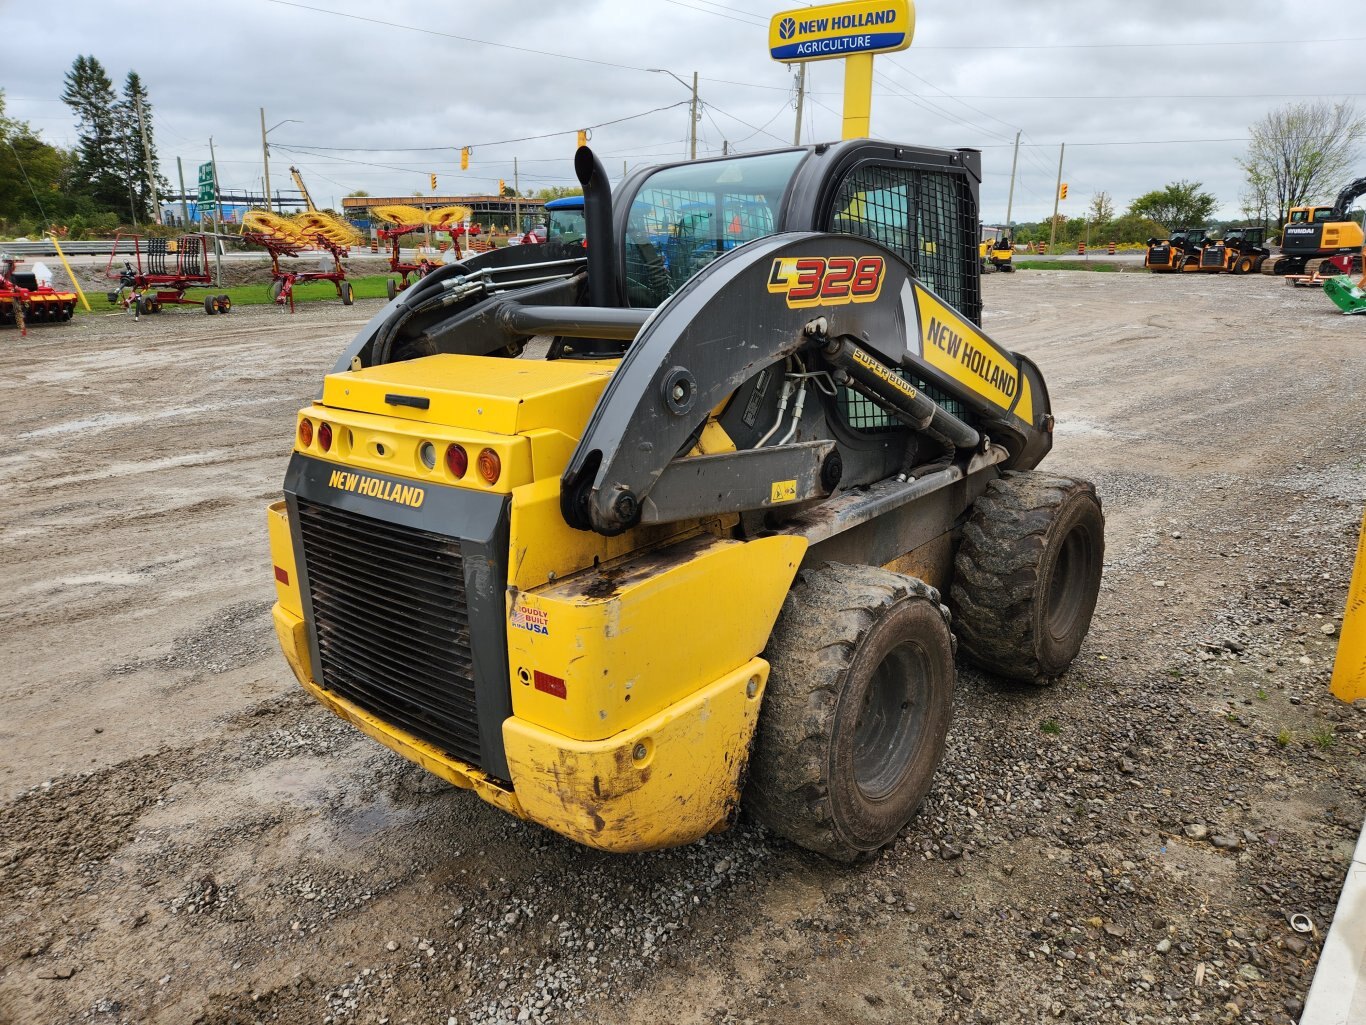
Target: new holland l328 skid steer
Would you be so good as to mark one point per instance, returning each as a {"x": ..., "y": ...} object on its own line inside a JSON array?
[{"x": 711, "y": 548}]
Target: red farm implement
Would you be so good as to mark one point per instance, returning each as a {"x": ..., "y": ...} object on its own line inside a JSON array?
[
  {"x": 161, "y": 272},
  {"x": 293, "y": 237},
  {"x": 409, "y": 220},
  {"x": 24, "y": 300}
]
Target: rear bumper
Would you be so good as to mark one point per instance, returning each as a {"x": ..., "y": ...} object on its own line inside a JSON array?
[{"x": 665, "y": 781}]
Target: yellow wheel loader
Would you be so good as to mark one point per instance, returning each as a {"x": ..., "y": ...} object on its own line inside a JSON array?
[{"x": 629, "y": 538}]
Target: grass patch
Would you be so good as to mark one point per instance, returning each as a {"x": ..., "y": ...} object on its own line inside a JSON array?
[
  {"x": 1261, "y": 694},
  {"x": 1323, "y": 738},
  {"x": 1099, "y": 266},
  {"x": 1050, "y": 727},
  {"x": 1284, "y": 738},
  {"x": 370, "y": 286}
]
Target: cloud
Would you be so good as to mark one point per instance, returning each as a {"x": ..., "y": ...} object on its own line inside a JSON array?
[{"x": 365, "y": 85}]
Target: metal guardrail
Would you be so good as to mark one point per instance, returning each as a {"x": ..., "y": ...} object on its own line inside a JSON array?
[{"x": 44, "y": 247}]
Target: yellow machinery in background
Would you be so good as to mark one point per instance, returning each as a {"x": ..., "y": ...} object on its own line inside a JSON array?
[{"x": 996, "y": 250}]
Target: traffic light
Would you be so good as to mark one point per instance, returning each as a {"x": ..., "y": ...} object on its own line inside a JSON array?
[
  {"x": 433, "y": 182},
  {"x": 465, "y": 159},
  {"x": 501, "y": 186},
  {"x": 583, "y": 137},
  {"x": 1062, "y": 191}
]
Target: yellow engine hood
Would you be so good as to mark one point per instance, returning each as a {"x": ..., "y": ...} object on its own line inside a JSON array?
[{"x": 496, "y": 396}]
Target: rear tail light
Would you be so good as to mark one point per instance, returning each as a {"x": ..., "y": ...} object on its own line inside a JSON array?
[
  {"x": 457, "y": 460},
  {"x": 490, "y": 466},
  {"x": 325, "y": 436},
  {"x": 305, "y": 432}
]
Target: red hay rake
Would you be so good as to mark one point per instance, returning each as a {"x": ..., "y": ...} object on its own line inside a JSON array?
[
  {"x": 408, "y": 220},
  {"x": 161, "y": 272},
  {"x": 295, "y": 236}
]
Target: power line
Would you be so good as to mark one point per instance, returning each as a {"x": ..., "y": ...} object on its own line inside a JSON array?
[
  {"x": 477, "y": 145},
  {"x": 747, "y": 124},
  {"x": 452, "y": 35},
  {"x": 1131, "y": 46},
  {"x": 718, "y": 14}
]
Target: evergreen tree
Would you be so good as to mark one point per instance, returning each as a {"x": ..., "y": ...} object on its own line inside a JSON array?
[
  {"x": 133, "y": 165},
  {"x": 90, "y": 95}
]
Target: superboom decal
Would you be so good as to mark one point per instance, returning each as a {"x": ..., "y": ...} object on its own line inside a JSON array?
[{"x": 807, "y": 281}]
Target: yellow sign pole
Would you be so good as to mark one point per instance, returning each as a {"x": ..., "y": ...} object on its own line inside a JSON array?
[
  {"x": 1349, "y": 669},
  {"x": 850, "y": 30},
  {"x": 858, "y": 96},
  {"x": 74, "y": 283}
]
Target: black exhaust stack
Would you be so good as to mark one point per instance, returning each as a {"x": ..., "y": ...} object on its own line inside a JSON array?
[{"x": 597, "y": 214}]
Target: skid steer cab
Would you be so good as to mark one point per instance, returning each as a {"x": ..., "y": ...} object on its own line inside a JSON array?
[{"x": 628, "y": 538}]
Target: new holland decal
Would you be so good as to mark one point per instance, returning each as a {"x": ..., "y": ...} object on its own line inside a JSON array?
[
  {"x": 956, "y": 349},
  {"x": 377, "y": 487},
  {"x": 807, "y": 281}
]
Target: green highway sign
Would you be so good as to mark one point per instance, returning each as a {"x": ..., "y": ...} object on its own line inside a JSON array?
[{"x": 206, "y": 189}]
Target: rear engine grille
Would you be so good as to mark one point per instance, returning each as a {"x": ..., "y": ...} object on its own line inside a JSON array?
[{"x": 392, "y": 624}]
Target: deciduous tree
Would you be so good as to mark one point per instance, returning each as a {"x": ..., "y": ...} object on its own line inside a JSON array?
[
  {"x": 1178, "y": 204},
  {"x": 1301, "y": 153}
]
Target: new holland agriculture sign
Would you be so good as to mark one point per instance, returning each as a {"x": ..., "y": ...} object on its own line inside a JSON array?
[{"x": 840, "y": 30}]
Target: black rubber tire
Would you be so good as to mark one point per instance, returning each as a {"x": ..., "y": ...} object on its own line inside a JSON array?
[
  {"x": 1027, "y": 575},
  {"x": 277, "y": 285},
  {"x": 856, "y": 711},
  {"x": 391, "y": 287},
  {"x": 146, "y": 306},
  {"x": 347, "y": 296},
  {"x": 1244, "y": 265},
  {"x": 1257, "y": 264},
  {"x": 224, "y": 303},
  {"x": 209, "y": 306}
]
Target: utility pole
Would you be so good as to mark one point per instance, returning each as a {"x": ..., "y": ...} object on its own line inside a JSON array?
[
  {"x": 725, "y": 147},
  {"x": 1014, "y": 161},
  {"x": 217, "y": 221},
  {"x": 265, "y": 156},
  {"x": 184, "y": 202},
  {"x": 516, "y": 197},
  {"x": 1057, "y": 189},
  {"x": 801, "y": 97},
  {"x": 693, "y": 123},
  {"x": 147, "y": 159}
]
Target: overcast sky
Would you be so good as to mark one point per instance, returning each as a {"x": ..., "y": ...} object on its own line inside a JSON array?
[{"x": 363, "y": 77}]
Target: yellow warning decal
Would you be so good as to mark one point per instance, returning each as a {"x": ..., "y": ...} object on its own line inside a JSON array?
[
  {"x": 954, "y": 347},
  {"x": 826, "y": 280},
  {"x": 895, "y": 380},
  {"x": 784, "y": 491}
]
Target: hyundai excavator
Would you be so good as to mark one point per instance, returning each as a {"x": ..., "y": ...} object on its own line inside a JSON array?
[
  {"x": 1315, "y": 234},
  {"x": 629, "y": 538}
]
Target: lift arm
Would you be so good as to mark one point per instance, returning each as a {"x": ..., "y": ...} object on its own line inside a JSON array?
[
  {"x": 850, "y": 303},
  {"x": 299, "y": 181}
]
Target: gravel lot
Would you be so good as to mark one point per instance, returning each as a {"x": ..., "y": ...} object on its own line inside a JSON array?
[{"x": 184, "y": 837}]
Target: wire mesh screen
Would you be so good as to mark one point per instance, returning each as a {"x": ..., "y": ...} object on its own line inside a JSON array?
[
  {"x": 926, "y": 217},
  {"x": 864, "y": 415}
]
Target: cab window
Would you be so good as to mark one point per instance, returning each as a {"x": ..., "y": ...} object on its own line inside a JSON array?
[{"x": 687, "y": 215}]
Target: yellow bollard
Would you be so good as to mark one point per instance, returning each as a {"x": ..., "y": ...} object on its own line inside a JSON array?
[
  {"x": 74, "y": 283},
  {"x": 1349, "y": 669}
]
